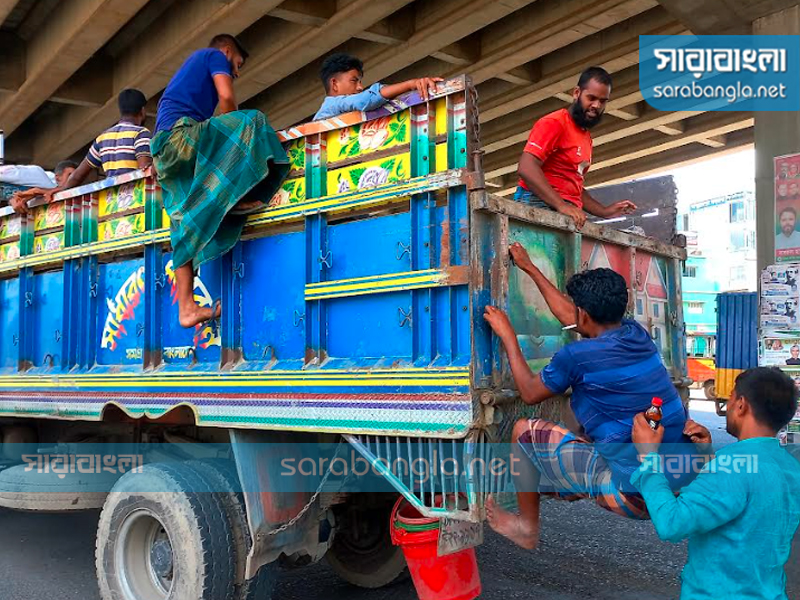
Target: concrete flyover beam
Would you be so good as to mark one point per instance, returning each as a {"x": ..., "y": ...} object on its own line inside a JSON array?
[
  {"x": 437, "y": 25},
  {"x": 275, "y": 57},
  {"x": 543, "y": 27},
  {"x": 670, "y": 159},
  {"x": 12, "y": 65},
  {"x": 505, "y": 161},
  {"x": 614, "y": 49},
  {"x": 6, "y": 6},
  {"x": 611, "y": 131},
  {"x": 736, "y": 141},
  {"x": 716, "y": 17},
  {"x": 185, "y": 27},
  {"x": 710, "y": 129},
  {"x": 73, "y": 33},
  {"x": 512, "y": 130}
]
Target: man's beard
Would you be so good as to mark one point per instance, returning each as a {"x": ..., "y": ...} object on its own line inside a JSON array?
[
  {"x": 579, "y": 116},
  {"x": 788, "y": 232}
]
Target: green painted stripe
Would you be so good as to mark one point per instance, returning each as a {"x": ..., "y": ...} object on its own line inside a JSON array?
[{"x": 53, "y": 412}]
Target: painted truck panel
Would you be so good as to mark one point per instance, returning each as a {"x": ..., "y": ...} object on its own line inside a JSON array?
[{"x": 353, "y": 303}]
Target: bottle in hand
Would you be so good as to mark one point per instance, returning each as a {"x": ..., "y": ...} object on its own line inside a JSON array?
[{"x": 653, "y": 414}]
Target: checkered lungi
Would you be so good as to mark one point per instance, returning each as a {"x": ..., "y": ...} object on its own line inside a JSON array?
[{"x": 572, "y": 469}]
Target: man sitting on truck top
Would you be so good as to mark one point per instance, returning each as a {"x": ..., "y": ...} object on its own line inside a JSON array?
[
  {"x": 15, "y": 179},
  {"x": 743, "y": 509},
  {"x": 213, "y": 171},
  {"x": 62, "y": 172},
  {"x": 120, "y": 149},
  {"x": 341, "y": 76},
  {"x": 614, "y": 374},
  {"x": 559, "y": 152}
]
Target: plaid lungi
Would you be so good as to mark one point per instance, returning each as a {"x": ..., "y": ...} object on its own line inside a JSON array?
[
  {"x": 571, "y": 468},
  {"x": 205, "y": 169}
]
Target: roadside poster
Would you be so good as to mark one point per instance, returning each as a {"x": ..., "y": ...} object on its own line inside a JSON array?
[
  {"x": 781, "y": 352},
  {"x": 787, "y": 208}
]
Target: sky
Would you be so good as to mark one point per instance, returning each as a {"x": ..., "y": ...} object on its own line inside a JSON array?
[{"x": 714, "y": 177}]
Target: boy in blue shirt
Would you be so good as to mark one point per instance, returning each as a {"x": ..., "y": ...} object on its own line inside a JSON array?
[
  {"x": 614, "y": 373},
  {"x": 342, "y": 74},
  {"x": 743, "y": 509}
]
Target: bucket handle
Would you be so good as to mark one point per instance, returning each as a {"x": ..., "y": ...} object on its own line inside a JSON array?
[{"x": 392, "y": 528}]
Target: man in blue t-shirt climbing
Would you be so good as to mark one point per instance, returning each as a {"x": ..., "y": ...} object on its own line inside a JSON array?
[
  {"x": 213, "y": 170},
  {"x": 614, "y": 373}
]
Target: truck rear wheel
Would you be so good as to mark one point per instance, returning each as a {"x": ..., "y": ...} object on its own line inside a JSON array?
[
  {"x": 362, "y": 552},
  {"x": 710, "y": 389},
  {"x": 224, "y": 479},
  {"x": 163, "y": 536}
]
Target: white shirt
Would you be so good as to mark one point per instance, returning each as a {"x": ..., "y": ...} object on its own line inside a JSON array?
[
  {"x": 26, "y": 176},
  {"x": 784, "y": 242}
]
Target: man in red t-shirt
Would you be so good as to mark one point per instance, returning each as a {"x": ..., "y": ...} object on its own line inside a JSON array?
[{"x": 559, "y": 152}]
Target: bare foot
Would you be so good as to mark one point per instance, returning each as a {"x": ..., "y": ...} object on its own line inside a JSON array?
[
  {"x": 194, "y": 315},
  {"x": 514, "y": 527}
]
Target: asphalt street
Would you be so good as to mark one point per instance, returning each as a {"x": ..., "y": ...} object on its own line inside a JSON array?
[{"x": 585, "y": 552}]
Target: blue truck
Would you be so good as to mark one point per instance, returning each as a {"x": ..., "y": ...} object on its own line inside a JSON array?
[{"x": 351, "y": 320}]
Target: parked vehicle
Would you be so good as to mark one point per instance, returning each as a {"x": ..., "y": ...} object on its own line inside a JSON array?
[
  {"x": 737, "y": 341},
  {"x": 700, "y": 364}
]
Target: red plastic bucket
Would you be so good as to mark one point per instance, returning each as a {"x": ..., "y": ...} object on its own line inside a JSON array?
[{"x": 451, "y": 577}]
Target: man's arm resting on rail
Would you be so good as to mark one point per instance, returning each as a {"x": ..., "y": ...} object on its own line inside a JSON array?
[
  {"x": 78, "y": 176},
  {"x": 530, "y": 171},
  {"x": 618, "y": 209},
  {"x": 530, "y": 386},
  {"x": 227, "y": 98}
]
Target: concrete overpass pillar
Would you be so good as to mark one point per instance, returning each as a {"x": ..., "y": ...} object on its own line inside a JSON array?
[{"x": 776, "y": 133}]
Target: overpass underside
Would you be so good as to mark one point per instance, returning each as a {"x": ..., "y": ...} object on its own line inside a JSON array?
[{"x": 64, "y": 61}]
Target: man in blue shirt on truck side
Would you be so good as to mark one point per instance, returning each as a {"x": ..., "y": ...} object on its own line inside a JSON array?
[
  {"x": 213, "y": 170},
  {"x": 743, "y": 509},
  {"x": 614, "y": 374}
]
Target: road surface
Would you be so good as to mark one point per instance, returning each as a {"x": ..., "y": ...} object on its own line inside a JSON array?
[{"x": 585, "y": 552}]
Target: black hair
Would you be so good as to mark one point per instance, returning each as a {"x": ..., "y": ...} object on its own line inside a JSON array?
[
  {"x": 771, "y": 394},
  {"x": 789, "y": 209},
  {"x": 131, "y": 102},
  {"x": 599, "y": 74},
  {"x": 65, "y": 164},
  {"x": 602, "y": 293},
  {"x": 226, "y": 39},
  {"x": 338, "y": 63}
]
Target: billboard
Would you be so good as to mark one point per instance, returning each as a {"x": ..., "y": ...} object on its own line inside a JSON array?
[{"x": 787, "y": 208}]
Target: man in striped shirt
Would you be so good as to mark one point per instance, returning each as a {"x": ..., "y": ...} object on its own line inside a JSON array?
[{"x": 121, "y": 149}]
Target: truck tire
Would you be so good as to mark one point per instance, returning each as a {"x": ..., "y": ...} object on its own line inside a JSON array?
[
  {"x": 710, "y": 389},
  {"x": 144, "y": 515},
  {"x": 47, "y": 492},
  {"x": 223, "y": 478},
  {"x": 362, "y": 552}
]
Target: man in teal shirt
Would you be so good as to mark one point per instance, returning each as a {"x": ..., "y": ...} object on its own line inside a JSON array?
[{"x": 743, "y": 509}]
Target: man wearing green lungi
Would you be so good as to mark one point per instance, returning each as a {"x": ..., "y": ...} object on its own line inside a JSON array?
[{"x": 213, "y": 170}]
